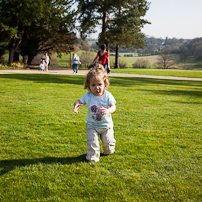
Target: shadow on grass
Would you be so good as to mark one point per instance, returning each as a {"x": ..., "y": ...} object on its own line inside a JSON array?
[
  {"x": 8, "y": 165},
  {"x": 131, "y": 81},
  {"x": 195, "y": 93},
  {"x": 39, "y": 78},
  {"x": 79, "y": 80}
]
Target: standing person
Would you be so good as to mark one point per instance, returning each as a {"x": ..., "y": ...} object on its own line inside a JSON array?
[
  {"x": 47, "y": 59},
  {"x": 103, "y": 56},
  {"x": 101, "y": 104},
  {"x": 76, "y": 61}
]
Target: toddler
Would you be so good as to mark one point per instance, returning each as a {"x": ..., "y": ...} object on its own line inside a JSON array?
[
  {"x": 101, "y": 104},
  {"x": 42, "y": 65}
]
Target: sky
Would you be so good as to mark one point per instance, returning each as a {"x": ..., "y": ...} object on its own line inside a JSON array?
[{"x": 174, "y": 19}]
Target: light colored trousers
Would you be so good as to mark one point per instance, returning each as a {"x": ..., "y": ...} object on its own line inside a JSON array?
[{"x": 93, "y": 146}]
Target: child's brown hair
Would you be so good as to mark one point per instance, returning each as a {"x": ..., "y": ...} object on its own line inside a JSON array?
[{"x": 97, "y": 71}]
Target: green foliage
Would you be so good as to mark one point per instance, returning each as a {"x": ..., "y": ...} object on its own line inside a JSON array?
[
  {"x": 192, "y": 48},
  {"x": 119, "y": 19},
  {"x": 35, "y": 26},
  {"x": 125, "y": 27},
  {"x": 43, "y": 143}
]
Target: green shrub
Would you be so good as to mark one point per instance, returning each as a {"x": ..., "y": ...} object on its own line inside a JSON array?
[
  {"x": 87, "y": 58},
  {"x": 122, "y": 64},
  {"x": 141, "y": 64}
]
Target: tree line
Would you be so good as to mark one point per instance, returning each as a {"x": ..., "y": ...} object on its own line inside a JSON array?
[{"x": 28, "y": 27}]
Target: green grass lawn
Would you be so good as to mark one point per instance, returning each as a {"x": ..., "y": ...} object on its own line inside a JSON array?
[
  {"x": 43, "y": 143},
  {"x": 162, "y": 72}
]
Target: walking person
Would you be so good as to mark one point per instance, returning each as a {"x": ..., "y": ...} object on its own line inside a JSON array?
[
  {"x": 103, "y": 56},
  {"x": 101, "y": 104},
  {"x": 47, "y": 60},
  {"x": 76, "y": 62}
]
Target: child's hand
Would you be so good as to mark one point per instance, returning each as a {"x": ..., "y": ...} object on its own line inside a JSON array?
[
  {"x": 104, "y": 111},
  {"x": 111, "y": 109},
  {"x": 77, "y": 104},
  {"x": 76, "y": 108}
]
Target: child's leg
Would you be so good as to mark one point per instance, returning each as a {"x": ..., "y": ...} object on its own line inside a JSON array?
[
  {"x": 108, "y": 141},
  {"x": 93, "y": 146}
]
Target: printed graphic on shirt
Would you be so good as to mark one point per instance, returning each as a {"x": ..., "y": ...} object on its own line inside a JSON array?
[{"x": 97, "y": 112}]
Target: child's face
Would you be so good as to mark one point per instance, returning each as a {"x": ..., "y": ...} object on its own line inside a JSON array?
[{"x": 97, "y": 86}]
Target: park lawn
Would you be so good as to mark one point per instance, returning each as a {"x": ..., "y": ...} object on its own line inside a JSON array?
[
  {"x": 130, "y": 60},
  {"x": 64, "y": 60},
  {"x": 189, "y": 64},
  {"x": 162, "y": 72},
  {"x": 43, "y": 143}
]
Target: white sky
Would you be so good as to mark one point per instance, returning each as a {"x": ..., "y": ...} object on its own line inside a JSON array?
[{"x": 174, "y": 18}]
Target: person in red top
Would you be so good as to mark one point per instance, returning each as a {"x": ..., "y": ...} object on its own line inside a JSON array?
[{"x": 103, "y": 56}]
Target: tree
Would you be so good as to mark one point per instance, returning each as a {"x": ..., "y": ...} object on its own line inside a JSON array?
[
  {"x": 124, "y": 29},
  {"x": 184, "y": 53},
  {"x": 165, "y": 60},
  {"x": 28, "y": 26},
  {"x": 192, "y": 48},
  {"x": 121, "y": 21}
]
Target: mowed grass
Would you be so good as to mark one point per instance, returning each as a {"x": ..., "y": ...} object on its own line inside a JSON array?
[
  {"x": 43, "y": 143},
  {"x": 162, "y": 72}
]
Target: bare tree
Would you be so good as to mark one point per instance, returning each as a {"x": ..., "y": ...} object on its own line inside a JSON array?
[
  {"x": 165, "y": 60},
  {"x": 185, "y": 52}
]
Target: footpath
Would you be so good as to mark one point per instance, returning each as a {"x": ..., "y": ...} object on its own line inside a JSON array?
[{"x": 84, "y": 72}]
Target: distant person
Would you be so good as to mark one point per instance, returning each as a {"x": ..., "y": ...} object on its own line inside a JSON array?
[
  {"x": 103, "y": 56},
  {"x": 47, "y": 59},
  {"x": 76, "y": 63},
  {"x": 42, "y": 65},
  {"x": 101, "y": 104}
]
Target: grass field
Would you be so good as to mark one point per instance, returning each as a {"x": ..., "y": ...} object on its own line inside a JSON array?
[
  {"x": 158, "y": 126},
  {"x": 162, "y": 72},
  {"x": 190, "y": 64}
]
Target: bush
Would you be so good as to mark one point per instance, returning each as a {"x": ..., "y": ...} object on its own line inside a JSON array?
[
  {"x": 17, "y": 65},
  {"x": 86, "y": 58},
  {"x": 141, "y": 64},
  {"x": 122, "y": 65}
]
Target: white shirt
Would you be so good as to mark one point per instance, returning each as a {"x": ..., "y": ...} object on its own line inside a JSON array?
[{"x": 95, "y": 118}]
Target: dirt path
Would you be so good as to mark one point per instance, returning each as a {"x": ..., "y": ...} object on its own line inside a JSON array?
[{"x": 84, "y": 72}]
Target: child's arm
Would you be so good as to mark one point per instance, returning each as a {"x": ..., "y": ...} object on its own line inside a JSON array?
[
  {"x": 77, "y": 104},
  {"x": 110, "y": 110}
]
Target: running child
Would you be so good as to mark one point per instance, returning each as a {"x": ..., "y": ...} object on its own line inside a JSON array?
[{"x": 101, "y": 104}]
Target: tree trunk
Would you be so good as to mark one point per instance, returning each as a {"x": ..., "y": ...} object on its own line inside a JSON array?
[
  {"x": 102, "y": 38},
  {"x": 117, "y": 57},
  {"x": 11, "y": 54},
  {"x": 16, "y": 57},
  {"x": 13, "y": 46}
]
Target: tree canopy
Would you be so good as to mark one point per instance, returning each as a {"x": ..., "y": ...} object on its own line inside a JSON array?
[
  {"x": 31, "y": 26},
  {"x": 121, "y": 21}
]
